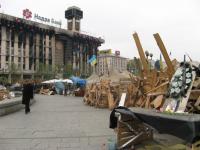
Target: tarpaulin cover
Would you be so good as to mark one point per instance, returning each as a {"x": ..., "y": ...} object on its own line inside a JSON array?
[
  {"x": 59, "y": 86},
  {"x": 79, "y": 81},
  {"x": 184, "y": 126}
]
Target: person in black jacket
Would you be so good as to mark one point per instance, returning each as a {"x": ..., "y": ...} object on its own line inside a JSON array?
[{"x": 27, "y": 94}]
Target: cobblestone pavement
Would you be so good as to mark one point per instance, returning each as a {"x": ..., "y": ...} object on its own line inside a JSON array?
[{"x": 56, "y": 123}]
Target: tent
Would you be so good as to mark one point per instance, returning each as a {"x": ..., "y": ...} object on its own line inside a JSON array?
[
  {"x": 52, "y": 81},
  {"x": 67, "y": 81}
]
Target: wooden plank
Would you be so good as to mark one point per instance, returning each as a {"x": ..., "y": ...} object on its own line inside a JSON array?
[
  {"x": 196, "y": 83},
  {"x": 165, "y": 54},
  {"x": 157, "y": 102},
  {"x": 110, "y": 101},
  {"x": 160, "y": 86},
  {"x": 122, "y": 100},
  {"x": 197, "y": 102},
  {"x": 141, "y": 52},
  {"x": 147, "y": 103},
  {"x": 194, "y": 94}
]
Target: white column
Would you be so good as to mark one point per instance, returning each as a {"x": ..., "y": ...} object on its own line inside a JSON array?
[
  {"x": 53, "y": 45},
  {"x": 47, "y": 50},
  {"x": 16, "y": 49},
  {"x": 27, "y": 52},
  {"x": 3, "y": 47},
  {"x": 37, "y": 51}
]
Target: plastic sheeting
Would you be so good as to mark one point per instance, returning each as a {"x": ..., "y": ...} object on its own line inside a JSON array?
[
  {"x": 60, "y": 87},
  {"x": 78, "y": 81}
]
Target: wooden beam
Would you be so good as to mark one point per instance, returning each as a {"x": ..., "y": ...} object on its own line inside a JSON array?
[
  {"x": 165, "y": 54},
  {"x": 141, "y": 52}
]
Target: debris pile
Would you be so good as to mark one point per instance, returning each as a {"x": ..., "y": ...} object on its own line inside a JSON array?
[
  {"x": 3, "y": 94},
  {"x": 171, "y": 90},
  {"x": 151, "y": 89},
  {"x": 105, "y": 91}
]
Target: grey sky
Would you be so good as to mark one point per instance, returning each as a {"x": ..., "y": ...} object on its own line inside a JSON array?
[{"x": 177, "y": 21}]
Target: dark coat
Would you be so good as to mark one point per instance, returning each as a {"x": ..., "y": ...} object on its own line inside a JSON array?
[{"x": 27, "y": 93}]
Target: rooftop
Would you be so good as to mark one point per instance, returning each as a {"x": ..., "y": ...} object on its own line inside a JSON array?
[{"x": 12, "y": 21}]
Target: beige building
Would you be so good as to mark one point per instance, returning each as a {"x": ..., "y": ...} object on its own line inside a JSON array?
[
  {"x": 29, "y": 49},
  {"x": 107, "y": 61}
]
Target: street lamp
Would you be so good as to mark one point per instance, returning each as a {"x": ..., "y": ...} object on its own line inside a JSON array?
[
  {"x": 151, "y": 55},
  {"x": 147, "y": 54}
]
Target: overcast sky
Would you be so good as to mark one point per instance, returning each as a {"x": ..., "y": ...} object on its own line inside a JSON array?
[{"x": 177, "y": 22}]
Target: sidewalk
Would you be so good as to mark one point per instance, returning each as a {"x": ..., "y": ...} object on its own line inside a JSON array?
[{"x": 56, "y": 123}]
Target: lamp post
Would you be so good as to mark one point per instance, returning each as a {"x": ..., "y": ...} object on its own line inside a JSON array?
[{"x": 151, "y": 55}]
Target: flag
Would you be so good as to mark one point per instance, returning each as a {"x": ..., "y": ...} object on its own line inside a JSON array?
[{"x": 93, "y": 60}]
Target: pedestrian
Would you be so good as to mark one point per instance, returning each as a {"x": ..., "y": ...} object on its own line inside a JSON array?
[{"x": 27, "y": 94}]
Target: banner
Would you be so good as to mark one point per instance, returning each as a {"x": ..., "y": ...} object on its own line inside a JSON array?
[{"x": 93, "y": 60}]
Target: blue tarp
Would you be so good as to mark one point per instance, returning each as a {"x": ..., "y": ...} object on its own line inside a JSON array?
[
  {"x": 78, "y": 81},
  {"x": 60, "y": 87}
]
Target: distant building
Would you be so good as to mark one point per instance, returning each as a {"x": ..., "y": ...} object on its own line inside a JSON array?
[
  {"x": 28, "y": 47},
  {"x": 106, "y": 61}
]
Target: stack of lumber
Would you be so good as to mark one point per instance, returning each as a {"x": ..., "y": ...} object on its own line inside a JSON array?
[
  {"x": 148, "y": 91},
  {"x": 99, "y": 95},
  {"x": 140, "y": 92},
  {"x": 107, "y": 90}
]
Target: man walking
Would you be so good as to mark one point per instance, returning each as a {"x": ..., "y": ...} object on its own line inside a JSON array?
[{"x": 27, "y": 94}]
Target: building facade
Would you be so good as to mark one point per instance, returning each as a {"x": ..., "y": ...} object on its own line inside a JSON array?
[
  {"x": 107, "y": 61},
  {"x": 30, "y": 49}
]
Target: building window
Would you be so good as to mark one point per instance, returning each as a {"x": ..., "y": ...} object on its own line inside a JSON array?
[
  {"x": 34, "y": 52},
  {"x": 77, "y": 25},
  {"x": 7, "y": 58},
  {"x": 12, "y": 35},
  {"x": 12, "y": 44},
  {"x": 12, "y": 59},
  {"x": 19, "y": 66},
  {"x": 31, "y": 39},
  {"x": 7, "y": 45},
  {"x": 23, "y": 63},
  {"x": 19, "y": 52},
  {"x": 30, "y": 63},
  {"x": 12, "y": 51},
  {"x": 7, "y": 51},
  {"x": 7, "y": 34},
  {"x": 50, "y": 53},
  {"x": 34, "y": 64},
  {"x": 24, "y": 53},
  {"x": 19, "y": 44},
  {"x": 0, "y": 34},
  {"x": 69, "y": 24},
  {"x": 44, "y": 52},
  {"x": 50, "y": 38}
]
